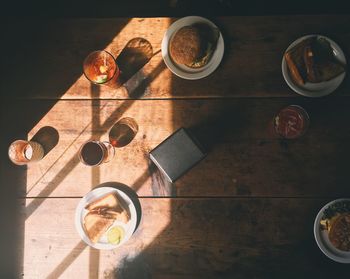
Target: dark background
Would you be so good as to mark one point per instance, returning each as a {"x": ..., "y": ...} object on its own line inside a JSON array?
[{"x": 144, "y": 8}]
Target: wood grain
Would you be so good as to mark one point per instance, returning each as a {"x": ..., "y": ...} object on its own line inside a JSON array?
[
  {"x": 246, "y": 211},
  {"x": 251, "y": 66},
  {"x": 244, "y": 156},
  {"x": 182, "y": 238}
]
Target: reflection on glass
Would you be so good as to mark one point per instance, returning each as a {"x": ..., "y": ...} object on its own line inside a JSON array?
[
  {"x": 22, "y": 152},
  {"x": 94, "y": 153},
  {"x": 123, "y": 132},
  {"x": 100, "y": 67},
  {"x": 291, "y": 122}
]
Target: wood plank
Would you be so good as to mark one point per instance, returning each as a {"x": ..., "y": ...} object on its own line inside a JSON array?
[
  {"x": 184, "y": 238},
  {"x": 251, "y": 66},
  {"x": 244, "y": 156}
]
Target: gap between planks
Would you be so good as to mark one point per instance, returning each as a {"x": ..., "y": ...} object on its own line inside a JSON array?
[{"x": 202, "y": 197}]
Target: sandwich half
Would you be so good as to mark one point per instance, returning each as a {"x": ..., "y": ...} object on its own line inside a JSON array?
[
  {"x": 102, "y": 213},
  {"x": 96, "y": 225}
]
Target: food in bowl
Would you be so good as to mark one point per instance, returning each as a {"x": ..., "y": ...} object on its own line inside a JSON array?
[
  {"x": 313, "y": 60},
  {"x": 336, "y": 221},
  {"x": 193, "y": 45}
]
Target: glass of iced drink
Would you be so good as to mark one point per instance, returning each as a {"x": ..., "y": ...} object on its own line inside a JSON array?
[
  {"x": 100, "y": 67},
  {"x": 291, "y": 122},
  {"x": 94, "y": 153},
  {"x": 22, "y": 152}
]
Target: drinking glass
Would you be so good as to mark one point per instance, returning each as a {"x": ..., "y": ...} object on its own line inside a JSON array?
[
  {"x": 22, "y": 152},
  {"x": 100, "y": 67},
  {"x": 123, "y": 132},
  {"x": 94, "y": 153},
  {"x": 291, "y": 122}
]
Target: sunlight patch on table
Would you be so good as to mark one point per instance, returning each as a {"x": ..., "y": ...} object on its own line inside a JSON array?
[{"x": 52, "y": 246}]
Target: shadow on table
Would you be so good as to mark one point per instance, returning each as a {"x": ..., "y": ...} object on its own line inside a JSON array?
[
  {"x": 137, "y": 85},
  {"x": 99, "y": 129},
  {"x": 212, "y": 238},
  {"x": 226, "y": 238},
  {"x": 48, "y": 137},
  {"x": 134, "y": 56},
  {"x": 233, "y": 237},
  {"x": 51, "y": 58},
  {"x": 44, "y": 61},
  {"x": 216, "y": 128},
  {"x": 136, "y": 53}
]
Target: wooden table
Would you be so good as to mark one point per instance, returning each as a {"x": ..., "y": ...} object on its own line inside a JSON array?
[{"x": 246, "y": 211}]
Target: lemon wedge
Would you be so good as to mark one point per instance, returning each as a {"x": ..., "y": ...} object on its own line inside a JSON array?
[
  {"x": 115, "y": 235},
  {"x": 101, "y": 78}
]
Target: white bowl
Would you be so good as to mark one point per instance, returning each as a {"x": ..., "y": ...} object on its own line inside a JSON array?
[
  {"x": 315, "y": 89},
  {"x": 322, "y": 240},
  {"x": 80, "y": 213},
  {"x": 182, "y": 70}
]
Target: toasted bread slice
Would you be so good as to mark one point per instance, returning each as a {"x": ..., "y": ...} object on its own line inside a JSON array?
[
  {"x": 96, "y": 225},
  {"x": 295, "y": 61},
  {"x": 313, "y": 60},
  {"x": 327, "y": 71},
  {"x": 122, "y": 216},
  {"x": 108, "y": 201},
  {"x": 322, "y": 64},
  {"x": 309, "y": 60},
  {"x": 103, "y": 212},
  {"x": 186, "y": 45},
  {"x": 339, "y": 233},
  {"x": 294, "y": 69},
  {"x": 119, "y": 216}
]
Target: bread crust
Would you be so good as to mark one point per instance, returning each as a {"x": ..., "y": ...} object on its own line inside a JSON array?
[
  {"x": 102, "y": 214},
  {"x": 312, "y": 60},
  {"x": 185, "y": 45},
  {"x": 293, "y": 69},
  {"x": 309, "y": 63},
  {"x": 339, "y": 233}
]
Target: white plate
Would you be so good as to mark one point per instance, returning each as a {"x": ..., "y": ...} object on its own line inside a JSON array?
[
  {"x": 315, "y": 89},
  {"x": 182, "y": 70},
  {"x": 322, "y": 239},
  {"x": 80, "y": 213}
]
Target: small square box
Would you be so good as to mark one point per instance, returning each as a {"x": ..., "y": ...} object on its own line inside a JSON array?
[{"x": 177, "y": 154}]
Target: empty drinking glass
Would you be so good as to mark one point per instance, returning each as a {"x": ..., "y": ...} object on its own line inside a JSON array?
[
  {"x": 123, "y": 132},
  {"x": 22, "y": 152}
]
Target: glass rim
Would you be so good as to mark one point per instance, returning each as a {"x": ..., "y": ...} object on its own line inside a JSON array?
[
  {"x": 305, "y": 114},
  {"x": 14, "y": 161},
  {"x": 100, "y": 144},
  {"x": 115, "y": 71}
]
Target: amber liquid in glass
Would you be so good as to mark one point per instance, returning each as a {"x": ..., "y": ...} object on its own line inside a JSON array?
[
  {"x": 123, "y": 132},
  {"x": 100, "y": 67}
]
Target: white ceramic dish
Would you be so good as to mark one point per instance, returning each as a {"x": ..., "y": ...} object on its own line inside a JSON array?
[
  {"x": 80, "y": 213},
  {"x": 315, "y": 89},
  {"x": 322, "y": 240},
  {"x": 182, "y": 70}
]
